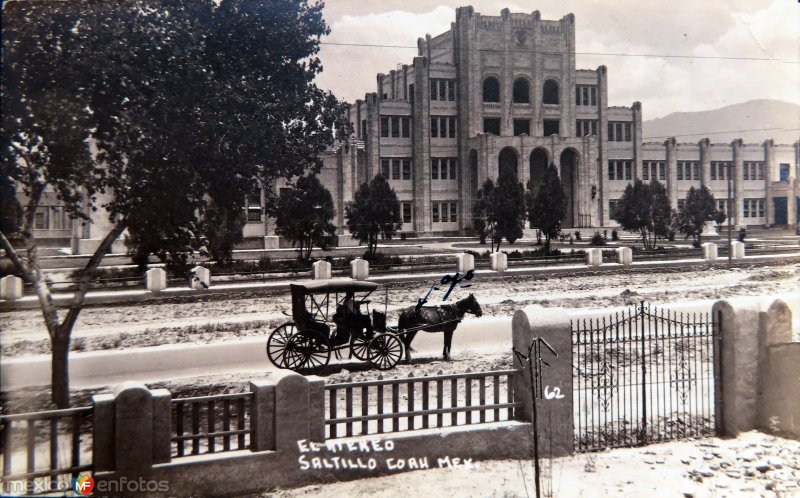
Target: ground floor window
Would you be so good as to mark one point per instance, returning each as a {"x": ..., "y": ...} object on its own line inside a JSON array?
[
  {"x": 613, "y": 205},
  {"x": 406, "y": 212},
  {"x": 396, "y": 168},
  {"x": 444, "y": 212},
  {"x": 753, "y": 208},
  {"x": 620, "y": 169}
]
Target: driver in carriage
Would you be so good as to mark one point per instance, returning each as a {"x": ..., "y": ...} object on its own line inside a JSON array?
[{"x": 349, "y": 320}]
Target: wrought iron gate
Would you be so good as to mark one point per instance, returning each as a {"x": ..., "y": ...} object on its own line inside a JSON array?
[{"x": 643, "y": 375}]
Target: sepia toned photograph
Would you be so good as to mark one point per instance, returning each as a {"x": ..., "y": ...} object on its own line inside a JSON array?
[{"x": 284, "y": 248}]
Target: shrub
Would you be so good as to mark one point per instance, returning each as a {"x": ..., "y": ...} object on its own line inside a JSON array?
[
  {"x": 577, "y": 235},
  {"x": 597, "y": 240},
  {"x": 614, "y": 235}
]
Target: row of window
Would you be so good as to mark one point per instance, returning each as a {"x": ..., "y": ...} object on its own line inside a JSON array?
[
  {"x": 750, "y": 168},
  {"x": 521, "y": 93},
  {"x": 619, "y": 131},
  {"x": 440, "y": 211},
  {"x": 654, "y": 170},
  {"x": 586, "y": 95},
  {"x": 443, "y": 127},
  {"x": 443, "y": 90},
  {"x": 586, "y": 127},
  {"x": 620, "y": 169},
  {"x": 51, "y": 218},
  {"x": 395, "y": 126},
  {"x": 753, "y": 208},
  {"x": 396, "y": 168},
  {"x": 444, "y": 168},
  {"x": 688, "y": 170}
]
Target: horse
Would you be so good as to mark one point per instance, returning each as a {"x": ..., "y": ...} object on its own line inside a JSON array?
[{"x": 442, "y": 318}]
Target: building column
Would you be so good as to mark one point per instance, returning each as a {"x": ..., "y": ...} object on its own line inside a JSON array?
[
  {"x": 672, "y": 166},
  {"x": 602, "y": 142},
  {"x": 738, "y": 186},
  {"x": 705, "y": 162},
  {"x": 637, "y": 139},
  {"x": 769, "y": 169}
]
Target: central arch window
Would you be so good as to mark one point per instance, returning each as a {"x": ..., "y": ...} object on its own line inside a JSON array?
[
  {"x": 522, "y": 93},
  {"x": 491, "y": 89},
  {"x": 550, "y": 92}
]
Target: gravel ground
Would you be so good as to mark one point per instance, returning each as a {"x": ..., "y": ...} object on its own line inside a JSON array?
[{"x": 751, "y": 465}]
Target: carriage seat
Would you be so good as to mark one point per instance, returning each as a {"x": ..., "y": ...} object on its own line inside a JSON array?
[{"x": 317, "y": 329}]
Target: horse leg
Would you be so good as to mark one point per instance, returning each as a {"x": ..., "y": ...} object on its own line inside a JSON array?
[
  {"x": 407, "y": 338},
  {"x": 448, "y": 340}
]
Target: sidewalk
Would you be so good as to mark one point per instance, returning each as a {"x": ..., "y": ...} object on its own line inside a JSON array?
[{"x": 132, "y": 296}]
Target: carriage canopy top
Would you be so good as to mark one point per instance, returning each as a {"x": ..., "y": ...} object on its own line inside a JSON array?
[{"x": 333, "y": 285}]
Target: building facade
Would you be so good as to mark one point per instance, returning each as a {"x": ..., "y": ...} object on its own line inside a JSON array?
[{"x": 496, "y": 93}]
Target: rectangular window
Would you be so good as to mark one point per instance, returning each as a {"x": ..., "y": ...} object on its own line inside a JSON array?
[
  {"x": 434, "y": 169},
  {"x": 722, "y": 205},
  {"x": 395, "y": 169},
  {"x": 746, "y": 171},
  {"x": 444, "y": 212},
  {"x": 434, "y": 127},
  {"x": 442, "y": 168},
  {"x": 645, "y": 172},
  {"x": 613, "y": 205},
  {"x": 619, "y": 169},
  {"x": 619, "y": 131},
  {"x": 746, "y": 208},
  {"x": 695, "y": 171},
  {"x": 444, "y": 90},
  {"x": 384, "y": 126},
  {"x": 385, "y": 166},
  {"x": 551, "y": 127},
  {"x": 783, "y": 171},
  {"x": 453, "y": 212},
  {"x": 363, "y": 128},
  {"x": 451, "y": 90},
  {"x": 395, "y": 128},
  {"x": 453, "y": 168},
  {"x": 434, "y": 93},
  {"x": 522, "y": 126},
  {"x": 761, "y": 208},
  {"x": 406, "y": 212},
  {"x": 406, "y": 169},
  {"x": 451, "y": 127},
  {"x": 760, "y": 171},
  {"x": 586, "y": 127},
  {"x": 680, "y": 171},
  {"x": 406, "y": 128},
  {"x": 435, "y": 212},
  {"x": 443, "y": 127},
  {"x": 611, "y": 169},
  {"x": 628, "y": 170},
  {"x": 40, "y": 218},
  {"x": 662, "y": 171},
  {"x": 586, "y": 95},
  {"x": 491, "y": 125},
  {"x": 713, "y": 172}
]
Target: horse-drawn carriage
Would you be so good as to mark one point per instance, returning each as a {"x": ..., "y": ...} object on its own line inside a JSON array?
[{"x": 333, "y": 316}]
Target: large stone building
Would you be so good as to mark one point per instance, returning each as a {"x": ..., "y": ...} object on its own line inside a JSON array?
[{"x": 503, "y": 92}]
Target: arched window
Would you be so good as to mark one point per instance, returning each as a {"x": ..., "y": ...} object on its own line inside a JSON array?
[
  {"x": 507, "y": 161},
  {"x": 550, "y": 93},
  {"x": 522, "y": 93},
  {"x": 491, "y": 89}
]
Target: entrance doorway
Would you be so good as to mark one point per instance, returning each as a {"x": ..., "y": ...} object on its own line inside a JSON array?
[{"x": 569, "y": 169}]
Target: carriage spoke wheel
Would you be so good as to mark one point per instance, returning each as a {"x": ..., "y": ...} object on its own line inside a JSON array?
[
  {"x": 385, "y": 350},
  {"x": 359, "y": 345},
  {"x": 278, "y": 351},
  {"x": 308, "y": 355}
]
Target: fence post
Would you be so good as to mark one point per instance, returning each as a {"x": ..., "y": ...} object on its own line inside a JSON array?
[
  {"x": 316, "y": 412},
  {"x": 156, "y": 280},
  {"x": 10, "y": 288},
  {"x": 162, "y": 425},
  {"x": 200, "y": 278},
  {"x": 359, "y": 269},
  {"x": 292, "y": 409},
  {"x": 262, "y": 415},
  {"x": 103, "y": 432},
  {"x": 709, "y": 251},
  {"x": 499, "y": 261},
  {"x": 624, "y": 256},
  {"x": 737, "y": 250},
  {"x": 466, "y": 262},
  {"x": 322, "y": 270},
  {"x": 555, "y": 409},
  {"x": 594, "y": 257},
  {"x": 133, "y": 430}
]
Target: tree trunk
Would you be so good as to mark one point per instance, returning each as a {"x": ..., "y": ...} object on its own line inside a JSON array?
[{"x": 59, "y": 375}]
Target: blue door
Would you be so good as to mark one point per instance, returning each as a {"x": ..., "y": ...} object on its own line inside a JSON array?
[{"x": 781, "y": 212}]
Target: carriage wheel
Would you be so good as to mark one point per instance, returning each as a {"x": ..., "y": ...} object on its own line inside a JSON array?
[
  {"x": 308, "y": 355},
  {"x": 359, "y": 345},
  {"x": 385, "y": 351},
  {"x": 277, "y": 345}
]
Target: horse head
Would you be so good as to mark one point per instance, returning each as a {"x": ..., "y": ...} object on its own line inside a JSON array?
[{"x": 473, "y": 306}]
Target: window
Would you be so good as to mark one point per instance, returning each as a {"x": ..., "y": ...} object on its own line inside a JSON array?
[
  {"x": 363, "y": 128},
  {"x": 443, "y": 168},
  {"x": 395, "y": 127},
  {"x": 654, "y": 170},
  {"x": 406, "y": 212},
  {"x": 613, "y": 206},
  {"x": 784, "y": 172},
  {"x": 491, "y": 125},
  {"x": 444, "y": 212},
  {"x": 491, "y": 89},
  {"x": 40, "y": 218},
  {"x": 552, "y": 127},
  {"x": 444, "y": 90},
  {"x": 753, "y": 208},
  {"x": 619, "y": 131},
  {"x": 396, "y": 168},
  {"x": 521, "y": 93},
  {"x": 662, "y": 171},
  {"x": 753, "y": 170},
  {"x": 687, "y": 170},
  {"x": 550, "y": 92},
  {"x": 586, "y": 95},
  {"x": 722, "y": 205},
  {"x": 719, "y": 167},
  {"x": 586, "y": 127},
  {"x": 645, "y": 171},
  {"x": 761, "y": 171},
  {"x": 522, "y": 126},
  {"x": 620, "y": 169},
  {"x": 443, "y": 127},
  {"x": 680, "y": 171},
  {"x": 253, "y": 203}
]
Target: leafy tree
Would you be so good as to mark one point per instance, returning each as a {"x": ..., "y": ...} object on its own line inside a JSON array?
[
  {"x": 698, "y": 208},
  {"x": 500, "y": 210},
  {"x": 645, "y": 208},
  {"x": 549, "y": 207},
  {"x": 160, "y": 113},
  {"x": 483, "y": 212},
  {"x": 304, "y": 213},
  {"x": 374, "y": 212}
]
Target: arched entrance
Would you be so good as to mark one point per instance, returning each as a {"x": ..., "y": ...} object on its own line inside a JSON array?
[
  {"x": 539, "y": 161},
  {"x": 569, "y": 174},
  {"x": 507, "y": 161}
]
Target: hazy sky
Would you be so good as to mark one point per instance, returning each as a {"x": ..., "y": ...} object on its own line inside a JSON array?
[{"x": 767, "y": 29}]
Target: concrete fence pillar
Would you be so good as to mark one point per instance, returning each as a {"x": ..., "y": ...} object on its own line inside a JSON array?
[
  {"x": 466, "y": 262},
  {"x": 272, "y": 242},
  {"x": 262, "y": 415},
  {"x": 737, "y": 250},
  {"x": 10, "y": 288},
  {"x": 322, "y": 270},
  {"x": 292, "y": 410},
  {"x": 316, "y": 408},
  {"x": 133, "y": 430},
  {"x": 200, "y": 278},
  {"x": 499, "y": 261},
  {"x": 709, "y": 251},
  {"x": 156, "y": 280},
  {"x": 594, "y": 257},
  {"x": 103, "y": 432},
  {"x": 359, "y": 269},
  {"x": 554, "y": 404},
  {"x": 162, "y": 425},
  {"x": 624, "y": 255}
]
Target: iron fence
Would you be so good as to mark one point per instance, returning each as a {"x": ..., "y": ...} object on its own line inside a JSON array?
[
  {"x": 44, "y": 451},
  {"x": 406, "y": 404},
  {"x": 643, "y": 375},
  {"x": 210, "y": 424}
]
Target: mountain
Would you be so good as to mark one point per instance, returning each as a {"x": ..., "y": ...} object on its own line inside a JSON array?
[{"x": 753, "y": 122}]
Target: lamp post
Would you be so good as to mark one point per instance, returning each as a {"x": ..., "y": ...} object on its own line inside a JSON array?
[{"x": 728, "y": 206}]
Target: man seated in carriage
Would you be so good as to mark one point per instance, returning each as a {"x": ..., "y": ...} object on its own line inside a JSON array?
[{"x": 349, "y": 320}]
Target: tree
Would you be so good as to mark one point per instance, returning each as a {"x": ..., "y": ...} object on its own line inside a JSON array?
[
  {"x": 374, "y": 212},
  {"x": 500, "y": 210},
  {"x": 483, "y": 213},
  {"x": 304, "y": 213},
  {"x": 645, "y": 209},
  {"x": 162, "y": 113},
  {"x": 549, "y": 207},
  {"x": 698, "y": 208}
]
